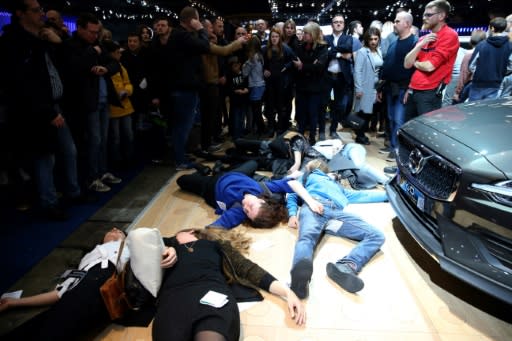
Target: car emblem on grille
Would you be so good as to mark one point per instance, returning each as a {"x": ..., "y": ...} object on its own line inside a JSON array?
[{"x": 417, "y": 161}]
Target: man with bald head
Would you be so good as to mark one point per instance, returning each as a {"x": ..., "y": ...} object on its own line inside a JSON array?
[{"x": 397, "y": 77}]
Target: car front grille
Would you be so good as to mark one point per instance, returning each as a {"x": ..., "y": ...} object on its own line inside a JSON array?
[{"x": 438, "y": 178}]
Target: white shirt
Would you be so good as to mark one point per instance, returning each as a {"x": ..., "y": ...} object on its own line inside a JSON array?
[{"x": 104, "y": 253}]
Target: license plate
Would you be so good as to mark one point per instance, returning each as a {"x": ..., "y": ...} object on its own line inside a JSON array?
[{"x": 413, "y": 193}]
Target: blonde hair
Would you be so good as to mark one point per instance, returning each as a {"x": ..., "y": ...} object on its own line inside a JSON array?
[
  {"x": 317, "y": 164},
  {"x": 237, "y": 237},
  {"x": 316, "y": 33}
]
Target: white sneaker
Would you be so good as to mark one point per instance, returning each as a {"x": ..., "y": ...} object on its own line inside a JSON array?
[
  {"x": 110, "y": 178},
  {"x": 98, "y": 186}
]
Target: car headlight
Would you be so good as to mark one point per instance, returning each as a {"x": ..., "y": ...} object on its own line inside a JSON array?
[{"x": 500, "y": 192}]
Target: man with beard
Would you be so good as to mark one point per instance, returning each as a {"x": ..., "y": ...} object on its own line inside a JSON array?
[{"x": 433, "y": 57}]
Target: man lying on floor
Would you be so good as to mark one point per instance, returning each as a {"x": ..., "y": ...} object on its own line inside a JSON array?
[{"x": 334, "y": 221}]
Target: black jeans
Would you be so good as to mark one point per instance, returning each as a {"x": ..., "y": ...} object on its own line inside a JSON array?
[
  {"x": 421, "y": 102},
  {"x": 204, "y": 185}
]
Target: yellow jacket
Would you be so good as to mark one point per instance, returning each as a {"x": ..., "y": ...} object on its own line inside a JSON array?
[{"x": 122, "y": 84}]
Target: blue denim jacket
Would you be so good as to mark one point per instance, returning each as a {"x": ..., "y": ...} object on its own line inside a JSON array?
[{"x": 320, "y": 186}]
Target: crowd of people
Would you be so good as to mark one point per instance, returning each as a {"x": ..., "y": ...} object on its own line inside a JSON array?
[
  {"x": 87, "y": 97},
  {"x": 80, "y": 99}
]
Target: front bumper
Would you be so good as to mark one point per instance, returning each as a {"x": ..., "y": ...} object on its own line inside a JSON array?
[{"x": 453, "y": 248}]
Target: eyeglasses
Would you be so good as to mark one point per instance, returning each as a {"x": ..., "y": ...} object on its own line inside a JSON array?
[
  {"x": 36, "y": 10},
  {"x": 338, "y": 22},
  {"x": 428, "y": 15}
]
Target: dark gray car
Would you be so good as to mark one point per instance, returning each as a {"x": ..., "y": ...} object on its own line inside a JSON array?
[{"x": 453, "y": 190}]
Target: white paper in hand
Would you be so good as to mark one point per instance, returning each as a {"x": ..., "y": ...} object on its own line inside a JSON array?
[{"x": 214, "y": 299}]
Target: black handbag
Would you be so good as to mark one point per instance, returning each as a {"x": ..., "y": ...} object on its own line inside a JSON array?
[{"x": 354, "y": 121}]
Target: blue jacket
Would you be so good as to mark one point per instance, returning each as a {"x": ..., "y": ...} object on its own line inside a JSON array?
[
  {"x": 320, "y": 186},
  {"x": 229, "y": 192}
]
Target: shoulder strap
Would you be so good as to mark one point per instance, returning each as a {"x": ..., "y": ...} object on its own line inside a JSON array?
[
  {"x": 265, "y": 188},
  {"x": 119, "y": 254}
]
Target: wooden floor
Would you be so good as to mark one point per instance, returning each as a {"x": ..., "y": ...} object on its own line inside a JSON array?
[{"x": 398, "y": 302}]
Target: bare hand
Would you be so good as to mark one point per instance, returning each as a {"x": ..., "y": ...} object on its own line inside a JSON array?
[
  {"x": 406, "y": 97},
  {"x": 50, "y": 35},
  {"x": 346, "y": 55},
  {"x": 97, "y": 48},
  {"x": 359, "y": 94},
  {"x": 222, "y": 80},
  {"x": 169, "y": 258},
  {"x": 155, "y": 102},
  {"x": 296, "y": 308},
  {"x": 99, "y": 70},
  {"x": 298, "y": 64},
  {"x": 58, "y": 121},
  {"x": 293, "y": 222},
  {"x": 429, "y": 38},
  {"x": 266, "y": 73},
  {"x": 379, "y": 96},
  {"x": 243, "y": 39},
  {"x": 316, "y": 207},
  {"x": 5, "y": 303}
]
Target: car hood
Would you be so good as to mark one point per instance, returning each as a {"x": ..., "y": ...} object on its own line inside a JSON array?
[{"x": 483, "y": 126}]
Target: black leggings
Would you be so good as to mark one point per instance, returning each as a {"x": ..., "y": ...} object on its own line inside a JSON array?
[{"x": 204, "y": 185}]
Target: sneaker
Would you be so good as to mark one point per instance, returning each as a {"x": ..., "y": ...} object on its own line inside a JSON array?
[
  {"x": 98, "y": 186},
  {"x": 321, "y": 137},
  {"x": 391, "y": 156},
  {"x": 184, "y": 166},
  {"x": 214, "y": 148},
  {"x": 202, "y": 169},
  {"x": 390, "y": 170},
  {"x": 109, "y": 178},
  {"x": 385, "y": 150},
  {"x": 301, "y": 275},
  {"x": 343, "y": 275}
]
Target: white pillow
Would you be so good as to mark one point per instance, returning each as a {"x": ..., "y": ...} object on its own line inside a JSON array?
[
  {"x": 146, "y": 247},
  {"x": 329, "y": 148}
]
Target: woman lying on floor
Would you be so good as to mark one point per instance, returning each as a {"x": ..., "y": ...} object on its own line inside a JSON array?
[
  {"x": 196, "y": 261},
  {"x": 76, "y": 308},
  {"x": 237, "y": 197},
  {"x": 209, "y": 260}
]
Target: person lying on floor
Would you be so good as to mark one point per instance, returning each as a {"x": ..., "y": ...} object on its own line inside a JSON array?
[
  {"x": 237, "y": 197},
  {"x": 334, "y": 221},
  {"x": 208, "y": 261},
  {"x": 282, "y": 155},
  {"x": 77, "y": 305},
  {"x": 291, "y": 151}
]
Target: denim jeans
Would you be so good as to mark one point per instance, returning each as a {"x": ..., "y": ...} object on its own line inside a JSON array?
[
  {"x": 97, "y": 133},
  {"x": 184, "y": 105},
  {"x": 357, "y": 153},
  {"x": 121, "y": 138},
  {"x": 311, "y": 226},
  {"x": 396, "y": 114},
  {"x": 482, "y": 93},
  {"x": 44, "y": 167},
  {"x": 237, "y": 115}
]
